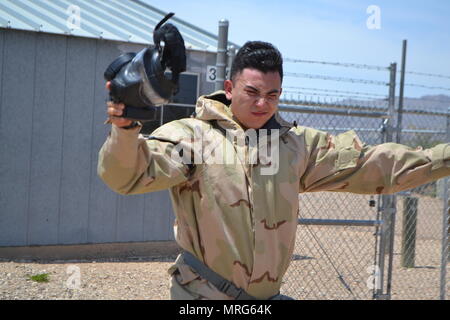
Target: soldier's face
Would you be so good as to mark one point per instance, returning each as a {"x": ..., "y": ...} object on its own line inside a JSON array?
[{"x": 254, "y": 96}]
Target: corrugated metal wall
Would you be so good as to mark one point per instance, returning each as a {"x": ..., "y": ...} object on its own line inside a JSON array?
[{"x": 52, "y": 109}]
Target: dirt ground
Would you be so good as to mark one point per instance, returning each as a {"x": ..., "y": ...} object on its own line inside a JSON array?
[
  {"x": 337, "y": 262},
  {"x": 127, "y": 279}
]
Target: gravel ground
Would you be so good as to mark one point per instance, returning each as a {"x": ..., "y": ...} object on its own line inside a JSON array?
[
  {"x": 127, "y": 279},
  {"x": 323, "y": 253}
]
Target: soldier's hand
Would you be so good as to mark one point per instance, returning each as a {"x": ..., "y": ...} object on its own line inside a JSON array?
[{"x": 115, "y": 110}]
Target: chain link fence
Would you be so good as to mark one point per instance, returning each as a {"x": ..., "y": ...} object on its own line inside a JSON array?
[{"x": 344, "y": 248}]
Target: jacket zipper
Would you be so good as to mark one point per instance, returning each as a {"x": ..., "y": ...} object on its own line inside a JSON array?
[{"x": 250, "y": 188}]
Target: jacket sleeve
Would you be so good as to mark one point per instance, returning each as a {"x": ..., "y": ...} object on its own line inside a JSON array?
[
  {"x": 344, "y": 163},
  {"x": 128, "y": 163}
]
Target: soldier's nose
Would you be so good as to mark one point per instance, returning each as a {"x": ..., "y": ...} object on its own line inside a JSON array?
[{"x": 260, "y": 102}]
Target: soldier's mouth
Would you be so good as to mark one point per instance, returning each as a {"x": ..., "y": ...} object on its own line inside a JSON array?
[{"x": 259, "y": 114}]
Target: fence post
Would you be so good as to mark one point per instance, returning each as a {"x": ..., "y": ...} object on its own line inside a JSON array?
[
  {"x": 221, "y": 60},
  {"x": 388, "y": 208},
  {"x": 445, "y": 240},
  {"x": 445, "y": 251},
  {"x": 392, "y": 199},
  {"x": 400, "y": 96},
  {"x": 409, "y": 231},
  {"x": 231, "y": 55}
]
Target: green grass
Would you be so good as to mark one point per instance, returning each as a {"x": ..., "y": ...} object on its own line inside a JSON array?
[{"x": 43, "y": 277}]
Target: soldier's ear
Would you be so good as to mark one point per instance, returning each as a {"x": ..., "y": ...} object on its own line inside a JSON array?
[{"x": 228, "y": 87}]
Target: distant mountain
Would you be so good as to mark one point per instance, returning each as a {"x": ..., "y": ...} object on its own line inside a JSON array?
[
  {"x": 439, "y": 102},
  {"x": 418, "y": 129}
]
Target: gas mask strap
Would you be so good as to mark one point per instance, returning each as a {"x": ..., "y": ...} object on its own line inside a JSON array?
[{"x": 167, "y": 17}]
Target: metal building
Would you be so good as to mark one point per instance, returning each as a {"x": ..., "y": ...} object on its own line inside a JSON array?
[{"x": 52, "y": 108}]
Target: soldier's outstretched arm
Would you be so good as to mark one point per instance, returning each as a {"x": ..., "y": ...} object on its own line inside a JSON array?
[
  {"x": 344, "y": 163},
  {"x": 130, "y": 164}
]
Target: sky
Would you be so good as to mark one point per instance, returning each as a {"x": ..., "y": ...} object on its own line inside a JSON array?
[{"x": 351, "y": 31}]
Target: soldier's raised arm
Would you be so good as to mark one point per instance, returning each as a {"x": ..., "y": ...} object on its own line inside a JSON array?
[
  {"x": 344, "y": 163},
  {"x": 129, "y": 163}
]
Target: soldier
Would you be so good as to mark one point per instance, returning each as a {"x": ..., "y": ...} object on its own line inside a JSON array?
[{"x": 235, "y": 222}]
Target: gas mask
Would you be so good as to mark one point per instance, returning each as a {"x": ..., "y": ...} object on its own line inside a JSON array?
[{"x": 138, "y": 79}]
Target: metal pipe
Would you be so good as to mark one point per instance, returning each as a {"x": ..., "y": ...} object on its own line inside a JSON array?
[
  {"x": 391, "y": 103},
  {"x": 221, "y": 60},
  {"x": 340, "y": 129},
  {"x": 340, "y": 222},
  {"x": 445, "y": 244},
  {"x": 445, "y": 227},
  {"x": 409, "y": 231},
  {"x": 400, "y": 97},
  {"x": 424, "y": 131},
  {"x": 424, "y": 112},
  {"x": 388, "y": 209},
  {"x": 231, "y": 55}
]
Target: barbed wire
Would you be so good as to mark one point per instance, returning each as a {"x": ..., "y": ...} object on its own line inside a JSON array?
[
  {"x": 365, "y": 66},
  {"x": 427, "y": 74},
  {"x": 339, "y": 64},
  {"x": 426, "y": 87},
  {"x": 340, "y": 79},
  {"x": 337, "y": 91}
]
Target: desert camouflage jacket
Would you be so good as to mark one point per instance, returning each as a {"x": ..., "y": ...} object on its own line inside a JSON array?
[{"x": 239, "y": 216}]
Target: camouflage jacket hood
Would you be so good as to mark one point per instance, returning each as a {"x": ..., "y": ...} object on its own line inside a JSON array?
[
  {"x": 216, "y": 107},
  {"x": 237, "y": 220}
]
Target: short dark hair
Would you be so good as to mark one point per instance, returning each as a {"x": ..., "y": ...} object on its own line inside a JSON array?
[{"x": 262, "y": 56}]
